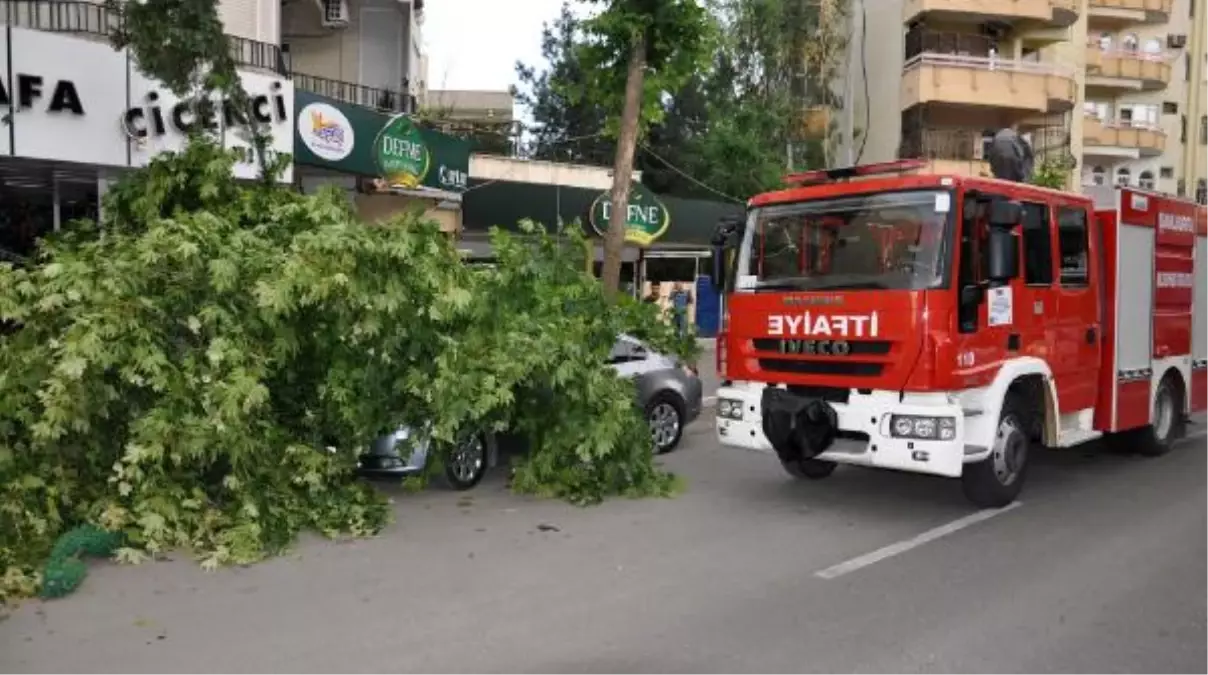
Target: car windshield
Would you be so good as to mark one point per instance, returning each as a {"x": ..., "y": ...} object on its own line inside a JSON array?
[{"x": 888, "y": 240}]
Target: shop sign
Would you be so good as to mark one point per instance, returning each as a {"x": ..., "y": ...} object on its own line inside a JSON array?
[
  {"x": 646, "y": 221},
  {"x": 402, "y": 156},
  {"x": 162, "y": 113},
  {"x": 72, "y": 99},
  {"x": 326, "y": 132},
  {"x": 30, "y": 87},
  {"x": 394, "y": 149}
]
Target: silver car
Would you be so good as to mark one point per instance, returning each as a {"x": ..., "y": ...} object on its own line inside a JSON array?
[{"x": 668, "y": 391}]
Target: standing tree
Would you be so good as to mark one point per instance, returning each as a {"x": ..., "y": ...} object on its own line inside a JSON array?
[{"x": 636, "y": 52}]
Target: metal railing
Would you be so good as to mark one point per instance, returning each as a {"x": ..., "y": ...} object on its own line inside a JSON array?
[
  {"x": 937, "y": 42},
  {"x": 988, "y": 63},
  {"x": 944, "y": 144},
  {"x": 387, "y": 100},
  {"x": 87, "y": 18},
  {"x": 1119, "y": 52}
]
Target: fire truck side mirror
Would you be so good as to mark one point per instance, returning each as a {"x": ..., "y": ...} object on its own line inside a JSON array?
[
  {"x": 726, "y": 228},
  {"x": 1003, "y": 254},
  {"x": 1005, "y": 213}
]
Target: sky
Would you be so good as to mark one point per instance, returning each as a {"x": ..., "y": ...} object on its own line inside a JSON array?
[{"x": 474, "y": 44}]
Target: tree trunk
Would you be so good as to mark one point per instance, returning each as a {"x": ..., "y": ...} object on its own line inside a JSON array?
[{"x": 622, "y": 169}]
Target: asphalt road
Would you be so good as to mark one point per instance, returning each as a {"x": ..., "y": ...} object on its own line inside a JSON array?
[{"x": 1101, "y": 568}]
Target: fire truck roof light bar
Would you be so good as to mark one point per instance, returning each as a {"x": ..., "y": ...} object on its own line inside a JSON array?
[{"x": 826, "y": 175}]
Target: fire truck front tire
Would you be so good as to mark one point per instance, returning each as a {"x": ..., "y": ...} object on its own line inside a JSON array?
[
  {"x": 813, "y": 469},
  {"x": 995, "y": 481}
]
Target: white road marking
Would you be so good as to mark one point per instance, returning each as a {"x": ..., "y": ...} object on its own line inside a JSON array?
[
  {"x": 709, "y": 401},
  {"x": 900, "y": 547}
]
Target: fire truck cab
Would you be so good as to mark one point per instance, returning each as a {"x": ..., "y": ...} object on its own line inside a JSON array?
[{"x": 953, "y": 325}]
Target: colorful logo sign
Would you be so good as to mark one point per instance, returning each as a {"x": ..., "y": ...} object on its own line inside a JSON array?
[
  {"x": 403, "y": 159},
  {"x": 326, "y": 132},
  {"x": 648, "y": 218}
]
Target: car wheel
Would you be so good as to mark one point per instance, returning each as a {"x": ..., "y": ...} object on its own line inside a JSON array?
[
  {"x": 665, "y": 415},
  {"x": 1168, "y": 423},
  {"x": 466, "y": 464}
]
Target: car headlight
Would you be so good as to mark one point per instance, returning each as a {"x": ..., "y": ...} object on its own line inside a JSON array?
[
  {"x": 923, "y": 427},
  {"x": 729, "y": 408}
]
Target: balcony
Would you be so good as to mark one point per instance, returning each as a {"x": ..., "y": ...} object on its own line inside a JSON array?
[
  {"x": 1055, "y": 13},
  {"x": 947, "y": 151},
  {"x": 385, "y": 100},
  {"x": 1121, "y": 139},
  {"x": 1126, "y": 70},
  {"x": 90, "y": 20},
  {"x": 1125, "y": 12},
  {"x": 1028, "y": 87}
]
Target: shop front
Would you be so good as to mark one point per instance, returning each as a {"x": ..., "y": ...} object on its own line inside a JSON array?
[
  {"x": 78, "y": 113},
  {"x": 387, "y": 163},
  {"x": 667, "y": 239}
]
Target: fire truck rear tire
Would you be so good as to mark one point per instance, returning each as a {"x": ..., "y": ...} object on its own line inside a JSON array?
[
  {"x": 1168, "y": 425},
  {"x": 997, "y": 480},
  {"x": 813, "y": 469}
]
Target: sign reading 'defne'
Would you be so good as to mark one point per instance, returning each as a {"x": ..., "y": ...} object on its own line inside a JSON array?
[
  {"x": 648, "y": 219},
  {"x": 402, "y": 156}
]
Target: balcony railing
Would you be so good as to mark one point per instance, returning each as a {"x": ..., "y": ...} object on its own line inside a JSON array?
[
  {"x": 386, "y": 100},
  {"x": 87, "y": 18},
  {"x": 945, "y": 144},
  {"x": 990, "y": 63},
  {"x": 935, "y": 42}
]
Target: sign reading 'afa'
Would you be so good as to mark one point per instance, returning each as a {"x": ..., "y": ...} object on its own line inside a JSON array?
[{"x": 808, "y": 324}]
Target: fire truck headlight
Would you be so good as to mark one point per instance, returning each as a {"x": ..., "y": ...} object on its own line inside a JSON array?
[
  {"x": 923, "y": 427},
  {"x": 730, "y": 409}
]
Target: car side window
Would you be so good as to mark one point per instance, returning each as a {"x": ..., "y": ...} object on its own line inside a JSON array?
[
  {"x": 624, "y": 351},
  {"x": 1072, "y": 232},
  {"x": 1037, "y": 244}
]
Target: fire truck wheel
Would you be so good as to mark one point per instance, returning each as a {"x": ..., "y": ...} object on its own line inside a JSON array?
[
  {"x": 1167, "y": 427},
  {"x": 814, "y": 469},
  {"x": 996, "y": 481}
]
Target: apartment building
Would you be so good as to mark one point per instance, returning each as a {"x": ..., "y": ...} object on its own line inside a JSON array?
[
  {"x": 364, "y": 52},
  {"x": 1114, "y": 87}
]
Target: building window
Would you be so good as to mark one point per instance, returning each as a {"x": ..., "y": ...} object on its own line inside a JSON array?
[
  {"x": 1123, "y": 176},
  {"x": 1145, "y": 180},
  {"x": 1183, "y": 129},
  {"x": 1203, "y": 129},
  {"x": 1170, "y": 108},
  {"x": 1181, "y": 188},
  {"x": 1201, "y": 191},
  {"x": 1072, "y": 234},
  {"x": 1166, "y": 172},
  {"x": 1099, "y": 176}
]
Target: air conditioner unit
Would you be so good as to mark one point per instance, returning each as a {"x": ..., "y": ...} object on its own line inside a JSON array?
[
  {"x": 333, "y": 13},
  {"x": 1176, "y": 41}
]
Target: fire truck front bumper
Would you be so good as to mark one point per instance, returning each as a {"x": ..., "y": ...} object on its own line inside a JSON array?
[{"x": 920, "y": 433}]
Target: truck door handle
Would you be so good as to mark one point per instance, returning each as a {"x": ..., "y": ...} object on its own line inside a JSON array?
[{"x": 1090, "y": 335}]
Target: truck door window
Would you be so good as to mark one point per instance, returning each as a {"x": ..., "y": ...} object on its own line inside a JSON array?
[
  {"x": 1037, "y": 244},
  {"x": 1072, "y": 235}
]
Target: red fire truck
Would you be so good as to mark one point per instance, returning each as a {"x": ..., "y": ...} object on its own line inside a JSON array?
[{"x": 950, "y": 325}]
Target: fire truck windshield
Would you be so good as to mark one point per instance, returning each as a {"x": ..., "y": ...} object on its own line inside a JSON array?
[{"x": 887, "y": 240}]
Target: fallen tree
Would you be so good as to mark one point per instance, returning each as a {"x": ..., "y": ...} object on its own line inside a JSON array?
[{"x": 180, "y": 367}]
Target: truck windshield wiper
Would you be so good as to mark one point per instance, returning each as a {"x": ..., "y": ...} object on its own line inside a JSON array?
[
  {"x": 818, "y": 284},
  {"x": 857, "y": 286}
]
